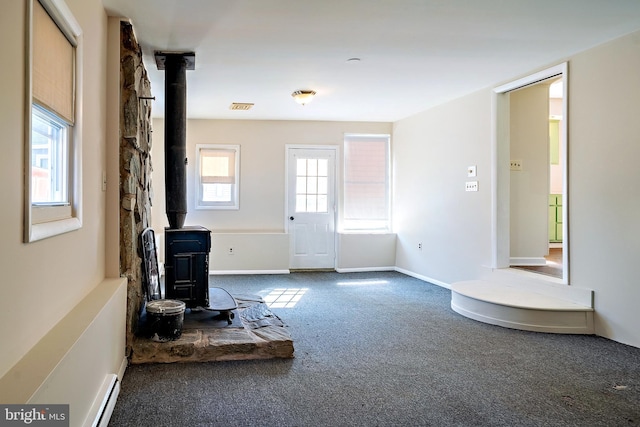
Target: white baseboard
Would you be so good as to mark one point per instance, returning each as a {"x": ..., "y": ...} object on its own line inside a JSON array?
[
  {"x": 123, "y": 367},
  {"x": 229, "y": 272},
  {"x": 364, "y": 269},
  {"x": 105, "y": 401},
  {"x": 528, "y": 261},
  {"x": 423, "y": 278}
]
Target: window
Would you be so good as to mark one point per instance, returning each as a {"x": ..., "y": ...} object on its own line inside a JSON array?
[
  {"x": 49, "y": 159},
  {"x": 52, "y": 194},
  {"x": 366, "y": 182},
  {"x": 312, "y": 185},
  {"x": 217, "y": 177}
]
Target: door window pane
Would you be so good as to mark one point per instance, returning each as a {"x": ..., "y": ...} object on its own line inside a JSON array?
[
  {"x": 312, "y": 185},
  {"x": 323, "y": 167}
]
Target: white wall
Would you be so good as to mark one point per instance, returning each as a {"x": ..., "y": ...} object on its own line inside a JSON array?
[
  {"x": 529, "y": 187},
  {"x": 604, "y": 204},
  {"x": 44, "y": 281},
  {"x": 431, "y": 153},
  {"x": 256, "y": 229},
  {"x": 363, "y": 251},
  {"x": 432, "y": 149}
]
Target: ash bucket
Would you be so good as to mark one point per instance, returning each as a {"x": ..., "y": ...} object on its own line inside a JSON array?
[{"x": 165, "y": 317}]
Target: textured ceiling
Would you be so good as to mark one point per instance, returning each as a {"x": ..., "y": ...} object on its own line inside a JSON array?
[{"x": 414, "y": 54}]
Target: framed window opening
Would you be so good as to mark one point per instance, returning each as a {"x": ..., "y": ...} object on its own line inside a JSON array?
[
  {"x": 366, "y": 183},
  {"x": 52, "y": 186},
  {"x": 218, "y": 176}
]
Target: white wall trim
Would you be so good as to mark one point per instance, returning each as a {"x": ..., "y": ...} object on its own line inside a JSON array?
[
  {"x": 364, "y": 269},
  {"x": 123, "y": 367},
  {"x": 534, "y": 78},
  {"x": 229, "y": 272},
  {"x": 528, "y": 261},
  {"x": 424, "y": 278}
]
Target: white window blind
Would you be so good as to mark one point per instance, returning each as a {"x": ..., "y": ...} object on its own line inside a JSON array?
[
  {"x": 217, "y": 178},
  {"x": 53, "y": 66},
  {"x": 218, "y": 166},
  {"x": 366, "y": 182}
]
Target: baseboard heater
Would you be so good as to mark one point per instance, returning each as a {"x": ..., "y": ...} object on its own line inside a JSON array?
[{"x": 104, "y": 403}]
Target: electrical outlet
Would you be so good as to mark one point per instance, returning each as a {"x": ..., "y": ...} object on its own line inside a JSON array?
[
  {"x": 420, "y": 246},
  {"x": 471, "y": 186},
  {"x": 230, "y": 251},
  {"x": 516, "y": 165}
]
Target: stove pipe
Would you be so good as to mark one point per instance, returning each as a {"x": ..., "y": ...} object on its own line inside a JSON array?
[{"x": 175, "y": 65}]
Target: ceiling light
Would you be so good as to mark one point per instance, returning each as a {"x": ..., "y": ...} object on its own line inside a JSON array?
[
  {"x": 241, "y": 106},
  {"x": 303, "y": 96}
]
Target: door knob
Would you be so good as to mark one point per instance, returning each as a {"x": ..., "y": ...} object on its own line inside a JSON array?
[{"x": 291, "y": 218}]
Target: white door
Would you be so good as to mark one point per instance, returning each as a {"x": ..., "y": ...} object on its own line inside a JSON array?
[{"x": 311, "y": 207}]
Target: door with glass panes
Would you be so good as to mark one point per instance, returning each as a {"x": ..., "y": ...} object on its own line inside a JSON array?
[{"x": 311, "y": 207}]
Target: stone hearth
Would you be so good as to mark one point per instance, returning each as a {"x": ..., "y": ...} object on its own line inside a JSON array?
[{"x": 256, "y": 333}]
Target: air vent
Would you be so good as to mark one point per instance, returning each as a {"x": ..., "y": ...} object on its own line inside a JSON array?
[{"x": 241, "y": 106}]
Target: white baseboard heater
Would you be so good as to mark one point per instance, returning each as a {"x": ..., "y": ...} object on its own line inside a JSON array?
[{"x": 105, "y": 402}]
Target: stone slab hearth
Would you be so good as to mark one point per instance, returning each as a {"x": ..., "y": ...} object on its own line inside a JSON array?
[{"x": 256, "y": 333}]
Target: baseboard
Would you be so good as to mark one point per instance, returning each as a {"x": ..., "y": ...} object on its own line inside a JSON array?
[
  {"x": 230, "y": 272},
  {"x": 123, "y": 368},
  {"x": 423, "y": 278},
  {"x": 528, "y": 261},
  {"x": 364, "y": 269},
  {"x": 105, "y": 401}
]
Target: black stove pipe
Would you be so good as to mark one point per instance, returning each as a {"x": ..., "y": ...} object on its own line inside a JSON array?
[{"x": 175, "y": 135}]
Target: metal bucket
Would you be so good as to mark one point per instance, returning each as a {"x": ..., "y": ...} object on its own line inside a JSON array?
[{"x": 165, "y": 318}]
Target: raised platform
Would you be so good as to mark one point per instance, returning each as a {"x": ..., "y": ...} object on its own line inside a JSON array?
[
  {"x": 526, "y": 306},
  {"x": 255, "y": 333}
]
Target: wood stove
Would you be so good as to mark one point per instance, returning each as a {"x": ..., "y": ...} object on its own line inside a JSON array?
[
  {"x": 186, "y": 248},
  {"x": 187, "y": 265}
]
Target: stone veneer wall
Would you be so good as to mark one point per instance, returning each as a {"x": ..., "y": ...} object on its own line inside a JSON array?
[{"x": 135, "y": 170}]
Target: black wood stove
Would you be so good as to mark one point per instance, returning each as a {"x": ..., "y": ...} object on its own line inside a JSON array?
[
  {"x": 187, "y": 265},
  {"x": 186, "y": 248}
]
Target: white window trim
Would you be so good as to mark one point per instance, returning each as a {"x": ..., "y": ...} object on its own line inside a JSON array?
[
  {"x": 34, "y": 228},
  {"x": 236, "y": 190}
]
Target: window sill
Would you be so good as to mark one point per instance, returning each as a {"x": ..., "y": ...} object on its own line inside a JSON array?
[
  {"x": 366, "y": 232},
  {"x": 49, "y": 229},
  {"x": 217, "y": 208}
]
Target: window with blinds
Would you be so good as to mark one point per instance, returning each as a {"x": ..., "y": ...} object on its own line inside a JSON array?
[
  {"x": 52, "y": 146},
  {"x": 217, "y": 177},
  {"x": 366, "y": 182}
]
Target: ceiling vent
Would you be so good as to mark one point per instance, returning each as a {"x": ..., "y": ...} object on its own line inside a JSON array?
[{"x": 241, "y": 106}]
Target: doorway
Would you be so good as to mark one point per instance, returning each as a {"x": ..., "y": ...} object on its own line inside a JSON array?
[
  {"x": 310, "y": 207},
  {"x": 542, "y": 117},
  {"x": 522, "y": 179}
]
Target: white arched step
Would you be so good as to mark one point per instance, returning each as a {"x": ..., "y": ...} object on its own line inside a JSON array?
[{"x": 529, "y": 307}]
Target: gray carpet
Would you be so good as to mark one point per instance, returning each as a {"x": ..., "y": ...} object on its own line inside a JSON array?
[{"x": 384, "y": 349}]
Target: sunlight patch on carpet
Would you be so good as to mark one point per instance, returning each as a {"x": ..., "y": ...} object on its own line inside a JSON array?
[{"x": 284, "y": 297}]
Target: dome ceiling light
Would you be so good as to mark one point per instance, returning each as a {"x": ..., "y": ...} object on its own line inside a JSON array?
[{"x": 303, "y": 97}]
